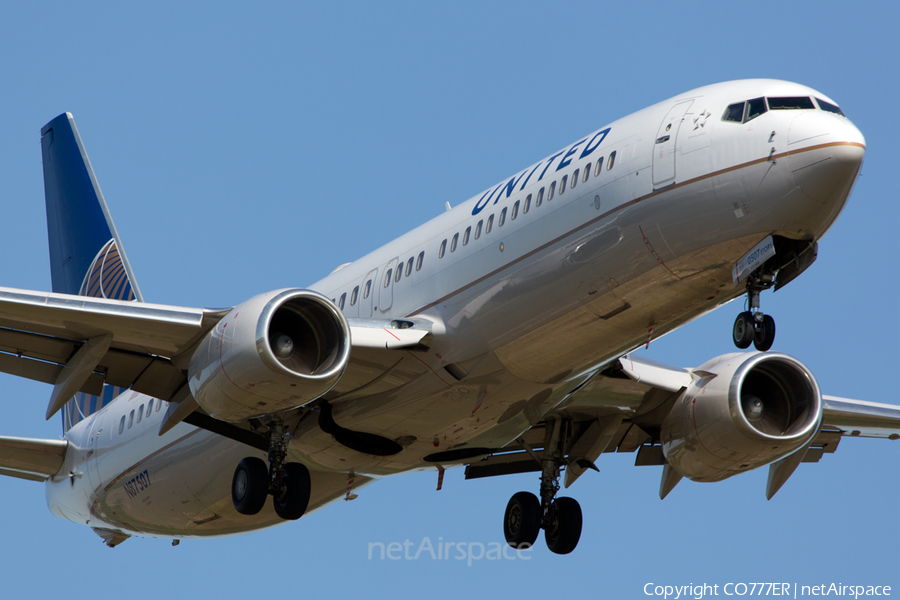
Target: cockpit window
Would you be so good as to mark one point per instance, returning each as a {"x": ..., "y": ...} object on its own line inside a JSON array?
[
  {"x": 791, "y": 103},
  {"x": 734, "y": 112},
  {"x": 755, "y": 108},
  {"x": 829, "y": 107}
]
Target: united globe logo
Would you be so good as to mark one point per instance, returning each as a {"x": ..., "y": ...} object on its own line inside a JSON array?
[{"x": 107, "y": 277}]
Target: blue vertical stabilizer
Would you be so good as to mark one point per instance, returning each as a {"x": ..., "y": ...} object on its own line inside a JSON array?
[{"x": 86, "y": 254}]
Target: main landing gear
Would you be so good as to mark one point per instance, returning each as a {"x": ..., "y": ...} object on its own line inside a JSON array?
[
  {"x": 560, "y": 518},
  {"x": 753, "y": 326},
  {"x": 288, "y": 483}
]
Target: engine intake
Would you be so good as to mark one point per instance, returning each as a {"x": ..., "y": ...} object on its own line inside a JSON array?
[
  {"x": 275, "y": 352},
  {"x": 741, "y": 411}
]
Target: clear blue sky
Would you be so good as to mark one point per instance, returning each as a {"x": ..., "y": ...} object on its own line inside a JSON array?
[{"x": 244, "y": 148}]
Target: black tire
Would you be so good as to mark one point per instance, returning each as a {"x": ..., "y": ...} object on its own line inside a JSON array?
[
  {"x": 564, "y": 530},
  {"x": 250, "y": 486},
  {"x": 293, "y": 500},
  {"x": 522, "y": 521},
  {"x": 743, "y": 331},
  {"x": 765, "y": 334}
]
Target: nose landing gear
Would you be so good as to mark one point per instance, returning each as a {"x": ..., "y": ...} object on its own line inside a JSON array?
[
  {"x": 753, "y": 326},
  {"x": 560, "y": 518},
  {"x": 289, "y": 483}
]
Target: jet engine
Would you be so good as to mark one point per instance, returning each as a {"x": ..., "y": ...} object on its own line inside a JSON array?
[
  {"x": 740, "y": 412},
  {"x": 275, "y": 352}
]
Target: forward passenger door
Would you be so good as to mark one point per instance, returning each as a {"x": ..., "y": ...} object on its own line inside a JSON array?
[{"x": 664, "y": 147}]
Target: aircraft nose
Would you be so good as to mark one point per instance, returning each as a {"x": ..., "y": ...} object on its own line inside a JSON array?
[{"x": 826, "y": 153}]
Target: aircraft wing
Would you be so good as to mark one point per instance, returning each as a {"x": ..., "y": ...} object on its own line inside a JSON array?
[
  {"x": 621, "y": 408},
  {"x": 859, "y": 418},
  {"x": 78, "y": 343}
]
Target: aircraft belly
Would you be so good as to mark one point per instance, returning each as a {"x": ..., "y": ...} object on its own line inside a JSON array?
[
  {"x": 184, "y": 490},
  {"x": 428, "y": 416}
]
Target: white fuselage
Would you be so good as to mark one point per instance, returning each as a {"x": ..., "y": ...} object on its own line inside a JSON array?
[{"x": 525, "y": 308}]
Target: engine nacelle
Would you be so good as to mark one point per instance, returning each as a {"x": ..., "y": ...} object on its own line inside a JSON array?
[
  {"x": 741, "y": 411},
  {"x": 275, "y": 352}
]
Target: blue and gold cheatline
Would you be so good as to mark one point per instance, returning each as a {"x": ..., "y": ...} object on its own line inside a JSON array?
[{"x": 107, "y": 277}]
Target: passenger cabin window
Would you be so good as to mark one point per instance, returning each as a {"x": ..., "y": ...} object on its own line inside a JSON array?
[
  {"x": 599, "y": 167},
  {"x": 421, "y": 260},
  {"x": 515, "y": 212},
  {"x": 562, "y": 185},
  {"x": 587, "y": 173},
  {"x": 140, "y": 413},
  {"x": 502, "y": 218},
  {"x": 159, "y": 405},
  {"x": 150, "y": 407},
  {"x": 342, "y": 300},
  {"x": 399, "y": 273},
  {"x": 467, "y": 235},
  {"x": 575, "y": 178},
  {"x": 443, "y": 249},
  {"x": 368, "y": 289},
  {"x": 354, "y": 296},
  {"x": 122, "y": 424},
  {"x": 130, "y": 419},
  {"x": 453, "y": 242},
  {"x": 540, "y": 198},
  {"x": 611, "y": 161},
  {"x": 409, "y": 265},
  {"x": 387, "y": 277},
  {"x": 478, "y": 229},
  {"x": 790, "y": 103},
  {"x": 551, "y": 191},
  {"x": 829, "y": 107},
  {"x": 490, "y": 225}
]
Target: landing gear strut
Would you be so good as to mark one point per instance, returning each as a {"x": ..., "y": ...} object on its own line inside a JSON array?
[
  {"x": 288, "y": 483},
  {"x": 560, "y": 518},
  {"x": 753, "y": 326}
]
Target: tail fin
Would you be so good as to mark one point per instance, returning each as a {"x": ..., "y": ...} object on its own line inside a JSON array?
[{"x": 86, "y": 254}]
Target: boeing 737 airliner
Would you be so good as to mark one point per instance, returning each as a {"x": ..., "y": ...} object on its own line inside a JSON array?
[{"x": 497, "y": 336}]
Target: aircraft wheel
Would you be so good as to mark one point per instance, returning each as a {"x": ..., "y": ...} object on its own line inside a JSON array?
[
  {"x": 765, "y": 334},
  {"x": 250, "y": 486},
  {"x": 743, "y": 330},
  {"x": 522, "y": 521},
  {"x": 291, "y": 503},
  {"x": 564, "y": 528}
]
